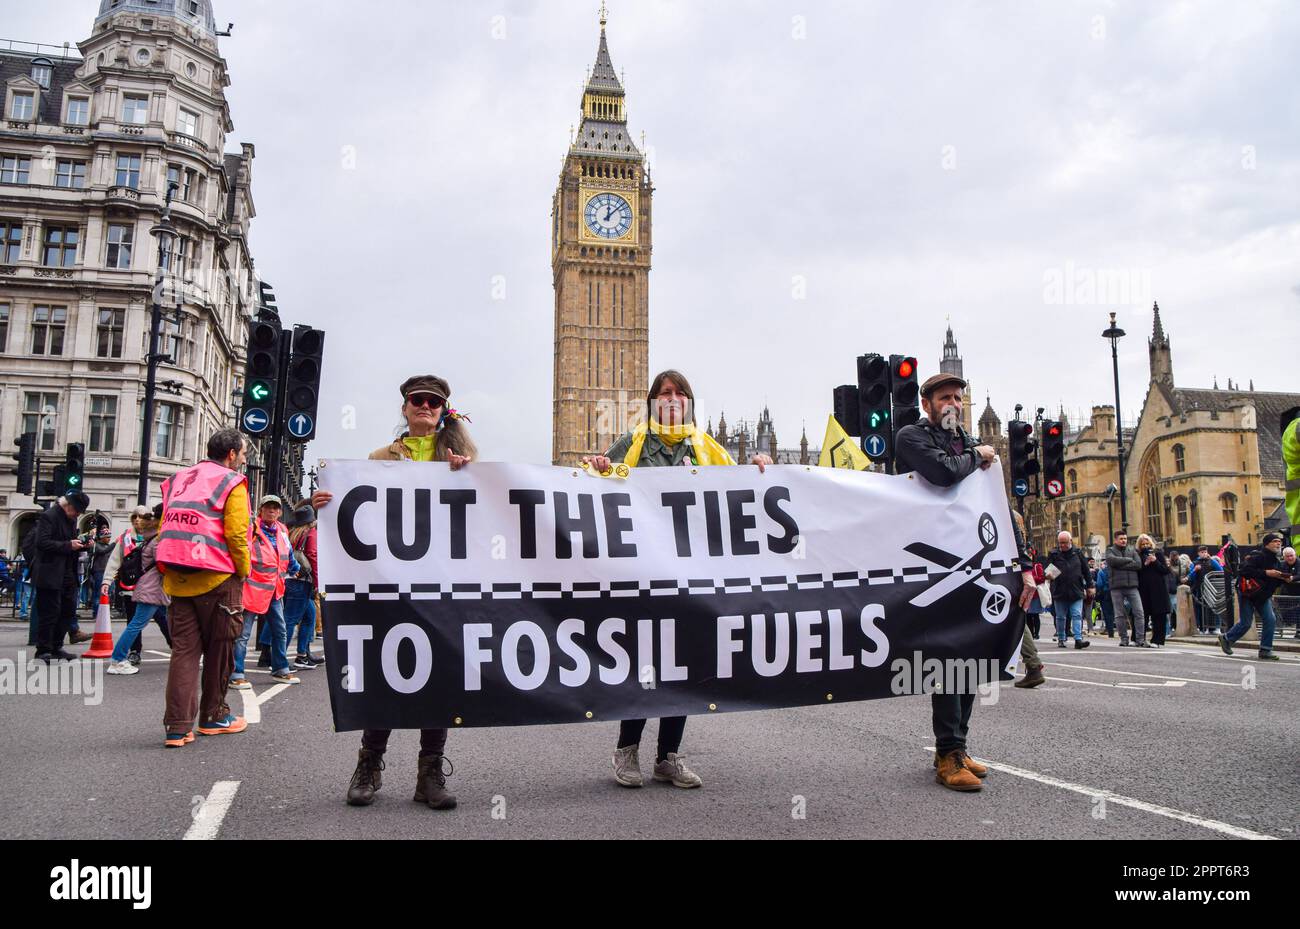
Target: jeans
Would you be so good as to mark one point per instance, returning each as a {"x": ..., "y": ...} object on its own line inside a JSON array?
[
  {"x": 1069, "y": 618},
  {"x": 279, "y": 659},
  {"x": 1107, "y": 611},
  {"x": 23, "y": 600},
  {"x": 1129, "y": 596},
  {"x": 299, "y": 611},
  {"x": 143, "y": 613},
  {"x": 1248, "y": 610},
  {"x": 951, "y": 718}
]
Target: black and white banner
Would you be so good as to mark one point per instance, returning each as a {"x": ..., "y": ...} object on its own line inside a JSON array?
[{"x": 510, "y": 594}]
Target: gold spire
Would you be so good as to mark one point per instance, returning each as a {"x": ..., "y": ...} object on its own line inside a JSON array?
[{"x": 604, "y": 15}]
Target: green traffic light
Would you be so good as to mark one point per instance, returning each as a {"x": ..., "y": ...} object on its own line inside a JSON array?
[
  {"x": 878, "y": 418},
  {"x": 259, "y": 391},
  {"x": 74, "y": 479}
]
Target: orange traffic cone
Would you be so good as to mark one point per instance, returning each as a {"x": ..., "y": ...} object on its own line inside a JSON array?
[{"x": 101, "y": 646}]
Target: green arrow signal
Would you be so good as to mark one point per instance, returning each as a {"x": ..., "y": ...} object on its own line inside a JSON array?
[
  {"x": 74, "y": 479},
  {"x": 259, "y": 391}
]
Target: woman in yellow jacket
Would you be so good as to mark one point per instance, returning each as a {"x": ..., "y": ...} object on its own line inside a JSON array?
[
  {"x": 670, "y": 436},
  {"x": 434, "y": 432}
]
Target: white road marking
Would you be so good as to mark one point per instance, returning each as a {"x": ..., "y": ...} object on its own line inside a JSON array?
[
  {"x": 1161, "y": 677},
  {"x": 1125, "y": 686},
  {"x": 1237, "y": 832},
  {"x": 207, "y": 821},
  {"x": 166, "y": 655},
  {"x": 253, "y": 701}
]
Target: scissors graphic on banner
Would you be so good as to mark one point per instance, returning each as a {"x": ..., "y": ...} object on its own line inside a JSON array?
[{"x": 996, "y": 605}]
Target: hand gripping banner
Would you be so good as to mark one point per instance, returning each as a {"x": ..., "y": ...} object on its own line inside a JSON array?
[{"x": 508, "y": 594}]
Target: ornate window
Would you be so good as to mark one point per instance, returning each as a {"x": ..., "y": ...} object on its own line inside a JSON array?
[
  {"x": 1180, "y": 459},
  {"x": 1229, "y": 502},
  {"x": 1181, "y": 504},
  {"x": 1073, "y": 477}
]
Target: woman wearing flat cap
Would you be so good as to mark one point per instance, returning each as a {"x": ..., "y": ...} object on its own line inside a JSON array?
[{"x": 433, "y": 432}]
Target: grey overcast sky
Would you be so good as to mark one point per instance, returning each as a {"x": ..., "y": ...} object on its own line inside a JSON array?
[{"x": 831, "y": 178}]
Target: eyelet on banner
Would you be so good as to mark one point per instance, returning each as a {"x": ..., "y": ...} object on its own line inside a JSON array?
[
  {"x": 457, "y": 720},
  {"x": 712, "y": 707},
  {"x": 695, "y": 470},
  {"x": 830, "y": 697},
  {"x": 590, "y": 715}
]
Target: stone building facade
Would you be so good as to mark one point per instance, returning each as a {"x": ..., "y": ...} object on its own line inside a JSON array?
[{"x": 89, "y": 143}]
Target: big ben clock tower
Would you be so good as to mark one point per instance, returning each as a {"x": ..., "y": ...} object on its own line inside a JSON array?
[{"x": 600, "y": 262}]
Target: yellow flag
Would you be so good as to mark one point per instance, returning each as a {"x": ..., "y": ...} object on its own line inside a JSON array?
[{"x": 840, "y": 451}]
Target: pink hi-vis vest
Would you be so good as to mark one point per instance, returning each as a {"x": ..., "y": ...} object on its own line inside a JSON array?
[
  {"x": 193, "y": 531},
  {"x": 266, "y": 579}
]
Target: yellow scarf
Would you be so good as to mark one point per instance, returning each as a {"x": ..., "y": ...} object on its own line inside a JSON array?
[
  {"x": 707, "y": 450},
  {"x": 421, "y": 447}
]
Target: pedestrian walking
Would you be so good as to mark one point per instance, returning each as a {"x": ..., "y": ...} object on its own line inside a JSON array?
[
  {"x": 54, "y": 574},
  {"x": 1261, "y": 575},
  {"x": 1073, "y": 581}
]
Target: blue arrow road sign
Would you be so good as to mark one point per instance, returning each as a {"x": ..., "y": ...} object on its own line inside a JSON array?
[
  {"x": 300, "y": 426},
  {"x": 256, "y": 421},
  {"x": 874, "y": 446},
  {"x": 1021, "y": 488}
]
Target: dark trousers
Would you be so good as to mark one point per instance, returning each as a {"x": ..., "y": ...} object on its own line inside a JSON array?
[
  {"x": 56, "y": 610},
  {"x": 432, "y": 741},
  {"x": 1156, "y": 624},
  {"x": 951, "y": 720},
  {"x": 671, "y": 729},
  {"x": 1034, "y": 622}
]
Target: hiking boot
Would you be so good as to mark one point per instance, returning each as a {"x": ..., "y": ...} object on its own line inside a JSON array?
[
  {"x": 1225, "y": 644},
  {"x": 1267, "y": 656},
  {"x": 63, "y": 655},
  {"x": 951, "y": 772},
  {"x": 1081, "y": 643},
  {"x": 431, "y": 783},
  {"x": 121, "y": 667},
  {"x": 973, "y": 766},
  {"x": 627, "y": 766},
  {"x": 1033, "y": 677},
  {"x": 76, "y": 638},
  {"x": 366, "y": 779},
  {"x": 673, "y": 769}
]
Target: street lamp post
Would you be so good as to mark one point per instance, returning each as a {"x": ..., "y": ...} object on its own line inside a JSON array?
[
  {"x": 1114, "y": 333},
  {"x": 1110, "y": 513},
  {"x": 165, "y": 232}
]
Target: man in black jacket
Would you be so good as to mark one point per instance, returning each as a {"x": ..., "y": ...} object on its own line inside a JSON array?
[
  {"x": 1069, "y": 588},
  {"x": 1261, "y": 574},
  {"x": 54, "y": 574},
  {"x": 940, "y": 450}
]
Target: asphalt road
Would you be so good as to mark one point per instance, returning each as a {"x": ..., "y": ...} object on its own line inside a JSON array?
[{"x": 1119, "y": 744}]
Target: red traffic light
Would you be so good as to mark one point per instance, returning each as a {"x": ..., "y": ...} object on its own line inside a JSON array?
[
  {"x": 907, "y": 367},
  {"x": 1054, "y": 429}
]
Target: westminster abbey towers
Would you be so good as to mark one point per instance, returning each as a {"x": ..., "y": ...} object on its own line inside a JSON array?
[{"x": 600, "y": 259}]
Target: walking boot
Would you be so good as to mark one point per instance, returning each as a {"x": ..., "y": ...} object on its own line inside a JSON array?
[
  {"x": 1033, "y": 677},
  {"x": 953, "y": 773},
  {"x": 366, "y": 779},
  {"x": 431, "y": 783},
  {"x": 973, "y": 766}
]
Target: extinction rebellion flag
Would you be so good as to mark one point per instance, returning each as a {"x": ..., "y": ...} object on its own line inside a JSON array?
[{"x": 507, "y": 594}]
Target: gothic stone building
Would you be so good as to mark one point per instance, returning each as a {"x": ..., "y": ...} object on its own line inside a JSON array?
[
  {"x": 88, "y": 146},
  {"x": 600, "y": 260}
]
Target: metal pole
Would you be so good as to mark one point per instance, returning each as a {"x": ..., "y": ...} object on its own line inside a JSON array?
[
  {"x": 1115, "y": 333},
  {"x": 275, "y": 461},
  {"x": 163, "y": 231}
]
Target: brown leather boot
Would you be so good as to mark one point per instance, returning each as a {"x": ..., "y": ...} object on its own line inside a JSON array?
[
  {"x": 953, "y": 773},
  {"x": 431, "y": 784},
  {"x": 1033, "y": 677},
  {"x": 973, "y": 766},
  {"x": 366, "y": 779}
]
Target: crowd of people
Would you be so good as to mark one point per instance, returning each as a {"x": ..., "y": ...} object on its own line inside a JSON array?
[{"x": 210, "y": 571}]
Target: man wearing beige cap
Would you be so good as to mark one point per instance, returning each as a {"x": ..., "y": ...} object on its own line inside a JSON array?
[{"x": 942, "y": 452}]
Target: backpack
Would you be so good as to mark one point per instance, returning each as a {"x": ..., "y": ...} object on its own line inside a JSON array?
[
  {"x": 28, "y": 547},
  {"x": 132, "y": 568},
  {"x": 304, "y": 567}
]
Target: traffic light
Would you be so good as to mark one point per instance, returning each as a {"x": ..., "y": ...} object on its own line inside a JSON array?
[
  {"x": 1024, "y": 456},
  {"x": 905, "y": 393},
  {"x": 26, "y": 457},
  {"x": 1053, "y": 458},
  {"x": 303, "y": 383},
  {"x": 261, "y": 376},
  {"x": 846, "y": 410},
  {"x": 873, "y": 408},
  {"x": 74, "y": 469}
]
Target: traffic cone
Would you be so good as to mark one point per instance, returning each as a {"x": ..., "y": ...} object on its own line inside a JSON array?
[{"x": 101, "y": 646}]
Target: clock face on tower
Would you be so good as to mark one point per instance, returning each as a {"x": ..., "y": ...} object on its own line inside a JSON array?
[{"x": 608, "y": 216}]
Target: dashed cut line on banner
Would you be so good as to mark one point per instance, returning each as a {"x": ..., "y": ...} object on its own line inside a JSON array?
[{"x": 1236, "y": 832}]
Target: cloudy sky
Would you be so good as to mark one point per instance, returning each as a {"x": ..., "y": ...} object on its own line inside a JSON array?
[{"x": 831, "y": 178}]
